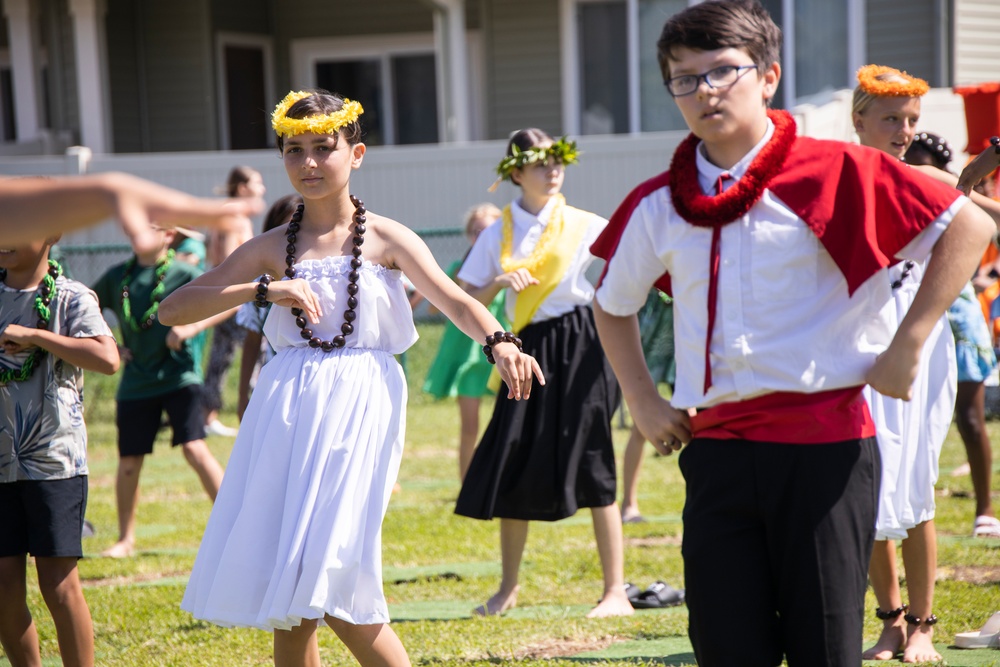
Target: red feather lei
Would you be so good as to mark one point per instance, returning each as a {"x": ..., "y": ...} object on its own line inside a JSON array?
[{"x": 703, "y": 210}]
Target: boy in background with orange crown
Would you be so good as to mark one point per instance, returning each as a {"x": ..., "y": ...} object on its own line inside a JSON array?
[{"x": 774, "y": 249}]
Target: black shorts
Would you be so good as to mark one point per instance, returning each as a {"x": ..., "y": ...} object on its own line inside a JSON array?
[
  {"x": 139, "y": 420},
  {"x": 43, "y": 518}
]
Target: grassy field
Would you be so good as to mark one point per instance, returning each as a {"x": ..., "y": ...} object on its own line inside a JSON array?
[{"x": 439, "y": 566}]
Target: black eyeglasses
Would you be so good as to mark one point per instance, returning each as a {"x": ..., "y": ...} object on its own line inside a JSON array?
[{"x": 720, "y": 77}]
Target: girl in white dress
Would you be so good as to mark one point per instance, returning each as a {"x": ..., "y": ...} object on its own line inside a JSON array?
[
  {"x": 295, "y": 534},
  {"x": 910, "y": 433}
]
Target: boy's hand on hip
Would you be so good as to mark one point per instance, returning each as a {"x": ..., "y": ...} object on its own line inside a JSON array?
[
  {"x": 16, "y": 338},
  {"x": 894, "y": 371},
  {"x": 662, "y": 424}
]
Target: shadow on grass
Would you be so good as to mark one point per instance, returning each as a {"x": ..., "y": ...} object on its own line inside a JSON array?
[{"x": 675, "y": 660}]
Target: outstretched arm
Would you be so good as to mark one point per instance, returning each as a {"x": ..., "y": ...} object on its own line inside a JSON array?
[
  {"x": 411, "y": 254},
  {"x": 956, "y": 256},
  {"x": 991, "y": 206},
  {"x": 61, "y": 205},
  {"x": 659, "y": 422}
]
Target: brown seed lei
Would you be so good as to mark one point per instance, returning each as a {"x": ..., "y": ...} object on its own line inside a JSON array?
[
  {"x": 499, "y": 337},
  {"x": 347, "y": 328}
]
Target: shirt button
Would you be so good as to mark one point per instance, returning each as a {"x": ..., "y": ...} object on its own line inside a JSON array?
[{"x": 727, "y": 262}]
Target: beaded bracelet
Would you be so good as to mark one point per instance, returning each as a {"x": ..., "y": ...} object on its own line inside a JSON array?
[
  {"x": 887, "y": 615},
  {"x": 995, "y": 142},
  {"x": 499, "y": 337},
  {"x": 260, "y": 299},
  {"x": 916, "y": 620}
]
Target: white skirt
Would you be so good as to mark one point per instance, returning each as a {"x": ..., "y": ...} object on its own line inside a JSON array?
[
  {"x": 296, "y": 530},
  {"x": 910, "y": 435}
]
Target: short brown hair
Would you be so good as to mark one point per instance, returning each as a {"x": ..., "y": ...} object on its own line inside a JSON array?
[
  {"x": 321, "y": 103},
  {"x": 721, "y": 24}
]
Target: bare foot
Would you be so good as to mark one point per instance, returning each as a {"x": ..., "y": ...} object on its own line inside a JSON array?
[
  {"x": 889, "y": 643},
  {"x": 498, "y": 604},
  {"x": 614, "y": 603},
  {"x": 920, "y": 647},
  {"x": 120, "y": 549},
  {"x": 631, "y": 514}
]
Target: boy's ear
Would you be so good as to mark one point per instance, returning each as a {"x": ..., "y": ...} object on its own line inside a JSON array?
[{"x": 772, "y": 77}]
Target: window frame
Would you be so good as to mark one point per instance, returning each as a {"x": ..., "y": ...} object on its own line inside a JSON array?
[{"x": 266, "y": 44}]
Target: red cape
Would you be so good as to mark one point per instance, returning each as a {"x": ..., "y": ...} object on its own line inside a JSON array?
[{"x": 863, "y": 205}]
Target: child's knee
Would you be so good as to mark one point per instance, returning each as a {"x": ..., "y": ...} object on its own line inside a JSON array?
[{"x": 58, "y": 580}]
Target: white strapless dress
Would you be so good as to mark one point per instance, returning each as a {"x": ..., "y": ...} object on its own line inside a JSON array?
[{"x": 296, "y": 530}]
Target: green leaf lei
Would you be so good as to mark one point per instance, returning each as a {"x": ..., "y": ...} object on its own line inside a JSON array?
[
  {"x": 562, "y": 152},
  {"x": 46, "y": 293},
  {"x": 149, "y": 318}
]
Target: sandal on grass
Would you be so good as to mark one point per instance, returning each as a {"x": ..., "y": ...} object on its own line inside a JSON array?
[
  {"x": 658, "y": 596},
  {"x": 987, "y": 637},
  {"x": 986, "y": 526}
]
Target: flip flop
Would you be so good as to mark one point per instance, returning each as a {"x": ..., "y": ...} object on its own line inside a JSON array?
[
  {"x": 631, "y": 592},
  {"x": 987, "y": 637},
  {"x": 986, "y": 526},
  {"x": 658, "y": 596}
]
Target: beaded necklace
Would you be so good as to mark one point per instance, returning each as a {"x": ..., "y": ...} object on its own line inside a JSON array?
[
  {"x": 543, "y": 247},
  {"x": 350, "y": 314},
  {"x": 149, "y": 318},
  {"x": 46, "y": 292}
]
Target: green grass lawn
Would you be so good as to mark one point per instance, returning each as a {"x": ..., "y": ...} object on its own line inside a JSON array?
[{"x": 439, "y": 566}]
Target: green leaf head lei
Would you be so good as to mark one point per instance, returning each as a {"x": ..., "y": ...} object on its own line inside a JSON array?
[{"x": 562, "y": 151}]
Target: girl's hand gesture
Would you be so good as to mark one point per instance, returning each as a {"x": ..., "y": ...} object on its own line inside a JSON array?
[
  {"x": 516, "y": 280},
  {"x": 295, "y": 293},
  {"x": 516, "y": 368}
]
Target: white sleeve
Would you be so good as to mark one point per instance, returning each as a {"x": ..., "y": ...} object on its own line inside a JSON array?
[
  {"x": 482, "y": 264},
  {"x": 634, "y": 267},
  {"x": 919, "y": 249}
]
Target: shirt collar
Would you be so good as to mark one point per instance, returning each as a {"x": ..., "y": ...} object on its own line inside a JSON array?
[
  {"x": 525, "y": 219},
  {"x": 709, "y": 173}
]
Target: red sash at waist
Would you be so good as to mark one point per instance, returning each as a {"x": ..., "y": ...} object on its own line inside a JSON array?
[{"x": 789, "y": 418}]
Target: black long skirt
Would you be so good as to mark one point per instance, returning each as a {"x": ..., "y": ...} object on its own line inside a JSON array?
[{"x": 544, "y": 458}]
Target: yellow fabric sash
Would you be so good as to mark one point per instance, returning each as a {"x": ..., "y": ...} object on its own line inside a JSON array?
[{"x": 549, "y": 269}]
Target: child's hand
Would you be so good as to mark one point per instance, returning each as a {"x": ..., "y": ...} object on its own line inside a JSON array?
[
  {"x": 977, "y": 170},
  {"x": 177, "y": 335},
  {"x": 662, "y": 424},
  {"x": 16, "y": 338},
  {"x": 517, "y": 280},
  {"x": 295, "y": 293},
  {"x": 894, "y": 371},
  {"x": 516, "y": 369}
]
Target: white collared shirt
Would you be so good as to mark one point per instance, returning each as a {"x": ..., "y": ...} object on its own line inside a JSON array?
[
  {"x": 482, "y": 265},
  {"x": 784, "y": 320}
]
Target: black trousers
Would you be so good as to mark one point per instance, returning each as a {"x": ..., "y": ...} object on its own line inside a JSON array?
[{"x": 777, "y": 540}]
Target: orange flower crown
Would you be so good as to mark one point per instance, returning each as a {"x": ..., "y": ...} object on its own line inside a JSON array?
[{"x": 869, "y": 81}]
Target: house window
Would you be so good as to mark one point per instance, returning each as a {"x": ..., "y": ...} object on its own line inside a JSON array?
[
  {"x": 399, "y": 94},
  {"x": 603, "y": 68},
  {"x": 394, "y": 78}
]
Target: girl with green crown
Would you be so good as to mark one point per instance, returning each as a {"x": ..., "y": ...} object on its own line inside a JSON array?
[
  {"x": 295, "y": 537},
  {"x": 541, "y": 460}
]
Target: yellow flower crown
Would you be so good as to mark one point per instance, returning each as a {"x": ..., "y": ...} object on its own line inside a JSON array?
[
  {"x": 870, "y": 83},
  {"x": 330, "y": 123}
]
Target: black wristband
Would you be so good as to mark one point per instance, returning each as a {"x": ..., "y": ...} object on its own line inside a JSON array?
[
  {"x": 499, "y": 337},
  {"x": 260, "y": 299}
]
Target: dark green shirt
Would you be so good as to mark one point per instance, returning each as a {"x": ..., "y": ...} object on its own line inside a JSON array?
[{"x": 155, "y": 369}]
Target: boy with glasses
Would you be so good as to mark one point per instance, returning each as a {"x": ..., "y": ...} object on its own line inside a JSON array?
[{"x": 774, "y": 249}]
